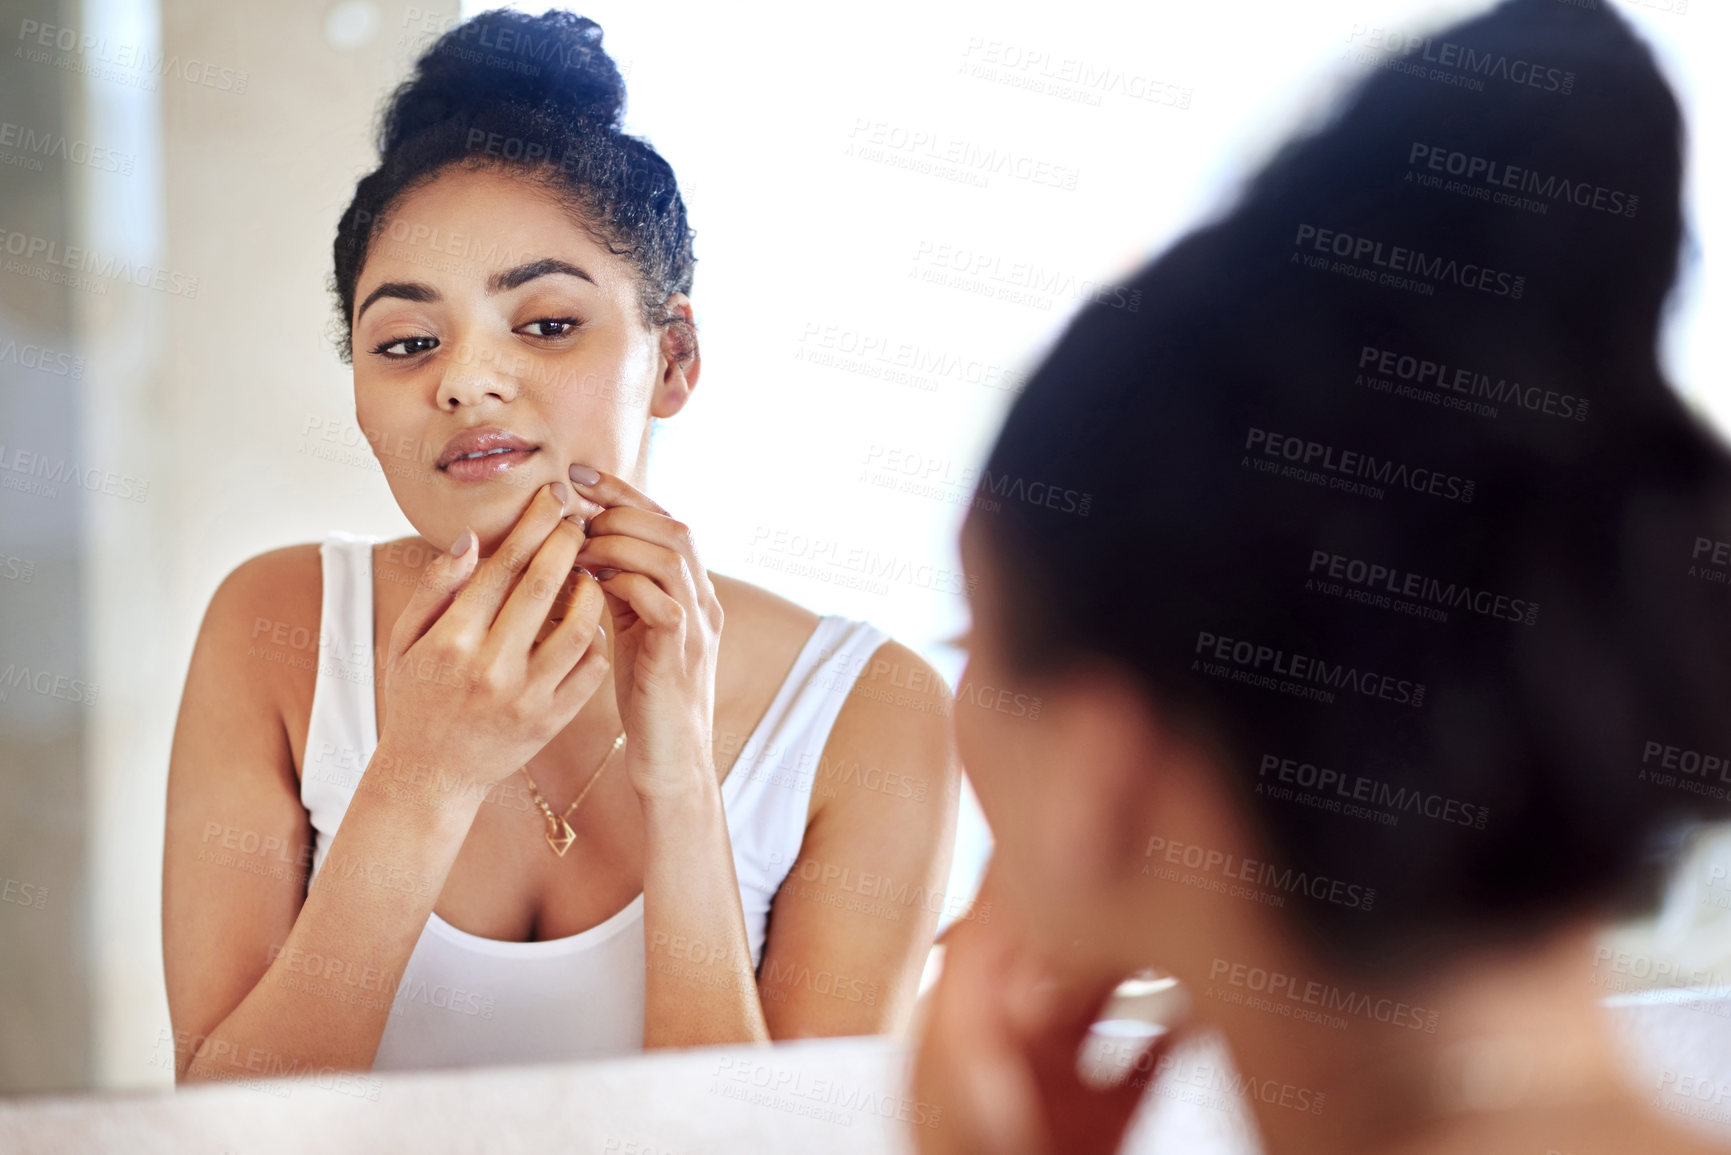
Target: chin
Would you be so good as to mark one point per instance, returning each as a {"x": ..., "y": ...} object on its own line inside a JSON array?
[{"x": 491, "y": 516}]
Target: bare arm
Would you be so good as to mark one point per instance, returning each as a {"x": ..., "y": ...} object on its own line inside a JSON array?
[
  {"x": 265, "y": 976},
  {"x": 851, "y": 926},
  {"x": 246, "y": 949},
  {"x": 699, "y": 985},
  {"x": 260, "y": 981},
  {"x": 238, "y": 841}
]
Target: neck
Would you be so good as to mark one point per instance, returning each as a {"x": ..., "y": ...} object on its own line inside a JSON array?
[
  {"x": 1491, "y": 1039},
  {"x": 573, "y": 748}
]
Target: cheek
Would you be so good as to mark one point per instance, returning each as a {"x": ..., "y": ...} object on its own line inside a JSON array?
[
  {"x": 1013, "y": 763},
  {"x": 636, "y": 375},
  {"x": 383, "y": 398},
  {"x": 603, "y": 387},
  {"x": 995, "y": 753},
  {"x": 390, "y": 426},
  {"x": 393, "y": 416}
]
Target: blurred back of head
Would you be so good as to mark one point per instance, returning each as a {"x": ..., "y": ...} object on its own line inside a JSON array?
[{"x": 1388, "y": 485}]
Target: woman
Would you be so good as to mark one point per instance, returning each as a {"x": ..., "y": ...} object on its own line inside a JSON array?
[
  {"x": 1358, "y": 678},
  {"x": 546, "y": 799}
]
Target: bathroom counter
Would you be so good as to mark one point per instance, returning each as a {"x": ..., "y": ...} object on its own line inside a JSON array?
[{"x": 836, "y": 1096}]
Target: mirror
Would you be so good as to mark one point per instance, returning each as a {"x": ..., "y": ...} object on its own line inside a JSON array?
[{"x": 894, "y": 214}]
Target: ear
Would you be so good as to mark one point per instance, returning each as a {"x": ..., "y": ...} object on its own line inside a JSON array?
[{"x": 679, "y": 361}]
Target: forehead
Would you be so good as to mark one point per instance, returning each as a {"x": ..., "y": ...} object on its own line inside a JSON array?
[{"x": 465, "y": 225}]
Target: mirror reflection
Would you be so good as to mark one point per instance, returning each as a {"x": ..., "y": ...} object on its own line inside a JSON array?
[{"x": 539, "y": 523}]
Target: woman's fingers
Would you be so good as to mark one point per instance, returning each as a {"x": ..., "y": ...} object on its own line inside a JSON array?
[
  {"x": 634, "y": 534},
  {"x": 437, "y": 586},
  {"x": 544, "y": 580},
  {"x": 666, "y": 568},
  {"x": 647, "y": 600},
  {"x": 1054, "y": 1005},
  {"x": 585, "y": 677},
  {"x": 609, "y": 491},
  {"x": 656, "y": 528},
  {"x": 473, "y": 613},
  {"x": 556, "y": 654},
  {"x": 678, "y": 566},
  {"x": 1051, "y": 1018},
  {"x": 1025, "y": 1016},
  {"x": 970, "y": 1065}
]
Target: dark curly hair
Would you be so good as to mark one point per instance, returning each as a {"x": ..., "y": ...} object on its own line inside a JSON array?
[
  {"x": 1382, "y": 478},
  {"x": 537, "y": 95}
]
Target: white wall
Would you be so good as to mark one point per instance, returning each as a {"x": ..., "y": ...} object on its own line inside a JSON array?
[{"x": 807, "y": 243}]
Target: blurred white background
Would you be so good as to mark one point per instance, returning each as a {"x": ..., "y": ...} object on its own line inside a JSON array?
[{"x": 853, "y": 374}]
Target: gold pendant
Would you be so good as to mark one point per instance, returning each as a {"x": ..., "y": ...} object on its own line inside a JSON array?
[{"x": 560, "y": 842}]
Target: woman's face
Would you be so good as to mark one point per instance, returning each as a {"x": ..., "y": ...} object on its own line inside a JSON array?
[{"x": 489, "y": 320}]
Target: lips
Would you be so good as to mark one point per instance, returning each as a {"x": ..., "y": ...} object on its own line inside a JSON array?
[{"x": 485, "y": 449}]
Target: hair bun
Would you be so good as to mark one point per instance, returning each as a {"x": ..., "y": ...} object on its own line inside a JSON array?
[{"x": 553, "y": 62}]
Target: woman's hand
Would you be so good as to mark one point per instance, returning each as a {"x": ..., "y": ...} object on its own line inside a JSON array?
[
  {"x": 998, "y": 1055},
  {"x": 666, "y": 634},
  {"x": 475, "y": 682}
]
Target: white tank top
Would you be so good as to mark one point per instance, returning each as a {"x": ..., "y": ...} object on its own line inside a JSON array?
[{"x": 466, "y": 1000}]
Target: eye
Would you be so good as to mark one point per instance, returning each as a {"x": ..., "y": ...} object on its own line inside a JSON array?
[
  {"x": 406, "y": 346},
  {"x": 550, "y": 326}
]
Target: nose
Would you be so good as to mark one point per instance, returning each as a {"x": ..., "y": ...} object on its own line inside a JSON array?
[{"x": 475, "y": 371}]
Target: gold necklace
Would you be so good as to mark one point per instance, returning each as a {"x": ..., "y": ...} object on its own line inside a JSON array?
[{"x": 560, "y": 836}]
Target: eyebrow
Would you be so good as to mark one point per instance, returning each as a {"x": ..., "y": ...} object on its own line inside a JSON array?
[
  {"x": 405, "y": 290},
  {"x": 523, "y": 274},
  {"x": 498, "y": 283}
]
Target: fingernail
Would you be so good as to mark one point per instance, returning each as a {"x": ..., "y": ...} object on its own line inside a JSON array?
[
  {"x": 604, "y": 574},
  {"x": 583, "y": 475},
  {"x": 561, "y": 493},
  {"x": 462, "y": 544}
]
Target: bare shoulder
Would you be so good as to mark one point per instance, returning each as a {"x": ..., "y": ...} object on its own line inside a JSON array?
[
  {"x": 270, "y": 594},
  {"x": 759, "y": 619},
  {"x": 890, "y": 760},
  {"x": 762, "y": 636},
  {"x": 767, "y": 622},
  {"x": 887, "y": 789},
  {"x": 262, "y": 626},
  {"x": 897, "y": 712}
]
